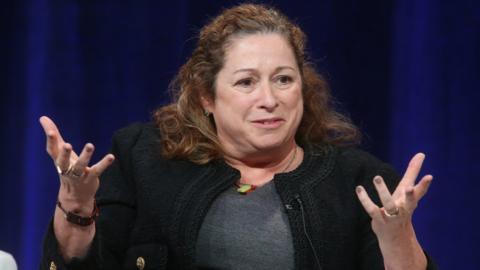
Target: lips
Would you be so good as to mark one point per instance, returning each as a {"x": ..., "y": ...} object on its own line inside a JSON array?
[{"x": 269, "y": 122}]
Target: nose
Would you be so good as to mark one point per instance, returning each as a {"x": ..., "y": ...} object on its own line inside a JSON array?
[{"x": 268, "y": 99}]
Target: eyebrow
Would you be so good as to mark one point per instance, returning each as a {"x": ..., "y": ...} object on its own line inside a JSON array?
[{"x": 253, "y": 70}]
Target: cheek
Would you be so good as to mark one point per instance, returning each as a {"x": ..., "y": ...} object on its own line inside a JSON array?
[
  {"x": 296, "y": 106},
  {"x": 295, "y": 100},
  {"x": 231, "y": 112},
  {"x": 234, "y": 105}
]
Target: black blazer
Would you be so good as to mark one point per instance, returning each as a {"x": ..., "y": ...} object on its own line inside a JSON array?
[{"x": 151, "y": 209}]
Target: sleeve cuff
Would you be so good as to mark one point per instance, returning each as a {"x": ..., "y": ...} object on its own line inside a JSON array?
[{"x": 52, "y": 258}]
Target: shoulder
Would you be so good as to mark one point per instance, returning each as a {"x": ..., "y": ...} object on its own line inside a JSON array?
[
  {"x": 366, "y": 166},
  {"x": 357, "y": 157},
  {"x": 136, "y": 141},
  {"x": 345, "y": 155},
  {"x": 135, "y": 136},
  {"x": 356, "y": 164},
  {"x": 135, "y": 131}
]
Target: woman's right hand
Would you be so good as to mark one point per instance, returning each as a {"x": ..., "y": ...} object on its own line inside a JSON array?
[{"x": 78, "y": 181}]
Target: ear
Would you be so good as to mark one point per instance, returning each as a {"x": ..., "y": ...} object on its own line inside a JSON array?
[{"x": 207, "y": 104}]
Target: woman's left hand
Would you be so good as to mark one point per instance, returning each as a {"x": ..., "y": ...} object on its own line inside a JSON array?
[
  {"x": 392, "y": 223},
  {"x": 397, "y": 210}
]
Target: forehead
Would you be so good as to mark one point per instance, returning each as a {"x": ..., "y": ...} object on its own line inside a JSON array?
[{"x": 258, "y": 51}]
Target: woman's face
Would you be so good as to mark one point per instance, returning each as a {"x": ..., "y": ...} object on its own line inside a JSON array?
[{"x": 258, "y": 99}]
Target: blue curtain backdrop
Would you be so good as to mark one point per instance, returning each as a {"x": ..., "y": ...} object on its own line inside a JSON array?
[{"x": 406, "y": 71}]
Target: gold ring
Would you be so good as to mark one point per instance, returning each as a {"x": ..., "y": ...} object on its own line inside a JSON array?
[
  {"x": 62, "y": 172},
  {"x": 393, "y": 214},
  {"x": 69, "y": 172}
]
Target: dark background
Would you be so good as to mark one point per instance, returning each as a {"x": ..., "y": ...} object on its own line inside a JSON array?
[{"x": 406, "y": 71}]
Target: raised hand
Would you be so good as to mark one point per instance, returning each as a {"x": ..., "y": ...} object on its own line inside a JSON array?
[
  {"x": 392, "y": 223},
  {"x": 78, "y": 181},
  {"x": 397, "y": 210}
]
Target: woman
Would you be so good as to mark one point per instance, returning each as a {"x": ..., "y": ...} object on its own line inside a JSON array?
[{"x": 247, "y": 169}]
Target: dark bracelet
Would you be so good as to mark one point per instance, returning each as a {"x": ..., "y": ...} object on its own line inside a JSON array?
[{"x": 78, "y": 220}]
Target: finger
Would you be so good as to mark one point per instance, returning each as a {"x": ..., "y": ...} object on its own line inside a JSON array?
[
  {"x": 83, "y": 159},
  {"x": 384, "y": 194},
  {"x": 370, "y": 207},
  {"x": 63, "y": 160},
  {"x": 102, "y": 165},
  {"x": 53, "y": 136},
  {"x": 49, "y": 126},
  {"x": 415, "y": 194},
  {"x": 413, "y": 169},
  {"x": 422, "y": 187}
]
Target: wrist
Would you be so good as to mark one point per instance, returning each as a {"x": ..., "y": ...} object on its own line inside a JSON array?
[
  {"x": 77, "y": 215},
  {"x": 401, "y": 234},
  {"x": 72, "y": 200},
  {"x": 84, "y": 207},
  {"x": 402, "y": 251}
]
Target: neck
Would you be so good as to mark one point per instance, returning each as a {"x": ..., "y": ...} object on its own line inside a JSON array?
[{"x": 258, "y": 172}]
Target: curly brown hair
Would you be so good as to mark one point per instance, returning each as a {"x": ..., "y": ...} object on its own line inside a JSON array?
[{"x": 187, "y": 133}]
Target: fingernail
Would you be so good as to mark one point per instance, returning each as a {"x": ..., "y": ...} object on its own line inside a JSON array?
[
  {"x": 358, "y": 189},
  {"x": 377, "y": 180}
]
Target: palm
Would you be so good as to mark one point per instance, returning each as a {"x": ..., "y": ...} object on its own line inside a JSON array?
[
  {"x": 398, "y": 207},
  {"x": 78, "y": 180}
]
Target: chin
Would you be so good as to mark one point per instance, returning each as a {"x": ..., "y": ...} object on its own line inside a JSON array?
[{"x": 270, "y": 144}]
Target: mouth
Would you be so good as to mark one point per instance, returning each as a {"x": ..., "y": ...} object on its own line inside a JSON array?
[{"x": 268, "y": 123}]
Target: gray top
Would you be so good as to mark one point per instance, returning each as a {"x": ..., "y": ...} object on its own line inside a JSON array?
[{"x": 246, "y": 232}]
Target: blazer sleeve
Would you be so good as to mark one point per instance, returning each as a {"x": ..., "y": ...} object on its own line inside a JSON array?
[
  {"x": 116, "y": 201},
  {"x": 370, "y": 254}
]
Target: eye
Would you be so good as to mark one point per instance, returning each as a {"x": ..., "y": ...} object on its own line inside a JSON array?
[
  {"x": 283, "y": 81},
  {"x": 247, "y": 82}
]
